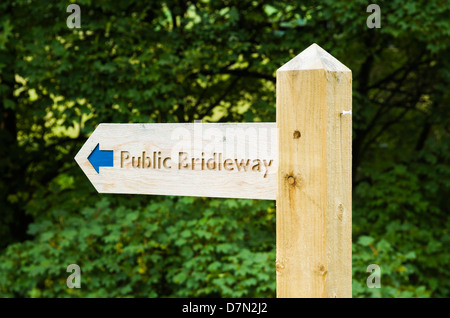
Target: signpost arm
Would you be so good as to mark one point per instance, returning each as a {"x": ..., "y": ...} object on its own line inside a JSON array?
[{"x": 314, "y": 176}]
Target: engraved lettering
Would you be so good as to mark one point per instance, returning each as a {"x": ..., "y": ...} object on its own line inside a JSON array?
[
  {"x": 212, "y": 162},
  {"x": 267, "y": 165},
  {"x": 138, "y": 162},
  {"x": 243, "y": 164},
  {"x": 122, "y": 157},
  {"x": 165, "y": 163},
  {"x": 228, "y": 164},
  {"x": 182, "y": 158},
  {"x": 257, "y": 165}
]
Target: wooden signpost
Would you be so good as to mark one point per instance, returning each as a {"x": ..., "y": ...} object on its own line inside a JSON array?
[
  {"x": 197, "y": 159},
  {"x": 314, "y": 177},
  {"x": 303, "y": 161}
]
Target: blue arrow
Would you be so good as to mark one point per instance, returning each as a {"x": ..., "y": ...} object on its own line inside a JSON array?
[{"x": 101, "y": 158}]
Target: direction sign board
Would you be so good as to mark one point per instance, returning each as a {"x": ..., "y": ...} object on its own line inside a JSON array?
[
  {"x": 303, "y": 161},
  {"x": 192, "y": 159}
]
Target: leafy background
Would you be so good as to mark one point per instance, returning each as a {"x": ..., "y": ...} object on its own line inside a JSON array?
[{"x": 179, "y": 61}]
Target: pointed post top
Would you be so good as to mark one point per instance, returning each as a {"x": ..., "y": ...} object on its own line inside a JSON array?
[{"x": 314, "y": 58}]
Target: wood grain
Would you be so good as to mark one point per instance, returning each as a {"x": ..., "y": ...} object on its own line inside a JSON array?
[
  {"x": 314, "y": 177},
  {"x": 242, "y": 141}
]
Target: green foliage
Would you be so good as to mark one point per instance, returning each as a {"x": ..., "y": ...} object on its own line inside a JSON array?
[
  {"x": 176, "y": 247},
  {"x": 172, "y": 61}
]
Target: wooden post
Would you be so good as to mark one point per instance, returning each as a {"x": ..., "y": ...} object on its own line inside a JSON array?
[{"x": 314, "y": 176}]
